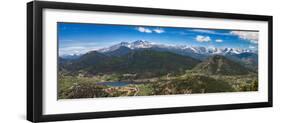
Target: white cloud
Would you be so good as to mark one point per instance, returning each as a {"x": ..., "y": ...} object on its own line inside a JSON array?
[
  {"x": 253, "y": 37},
  {"x": 73, "y": 50},
  {"x": 209, "y": 31},
  {"x": 254, "y": 41},
  {"x": 252, "y": 47},
  {"x": 76, "y": 50},
  {"x": 80, "y": 47},
  {"x": 158, "y": 30},
  {"x": 201, "y": 38},
  {"x": 219, "y": 40},
  {"x": 145, "y": 30}
]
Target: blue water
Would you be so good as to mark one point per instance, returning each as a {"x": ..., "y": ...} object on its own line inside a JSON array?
[{"x": 115, "y": 84}]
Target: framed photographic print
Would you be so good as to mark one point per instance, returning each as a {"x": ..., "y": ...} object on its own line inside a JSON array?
[{"x": 96, "y": 61}]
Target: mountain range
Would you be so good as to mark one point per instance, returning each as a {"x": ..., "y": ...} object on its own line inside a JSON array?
[
  {"x": 150, "y": 60},
  {"x": 200, "y": 53},
  {"x": 179, "y": 49}
]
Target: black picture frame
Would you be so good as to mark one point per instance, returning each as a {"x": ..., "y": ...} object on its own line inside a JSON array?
[{"x": 35, "y": 69}]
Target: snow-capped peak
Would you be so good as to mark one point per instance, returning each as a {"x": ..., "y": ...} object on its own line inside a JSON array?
[
  {"x": 134, "y": 45},
  {"x": 140, "y": 44}
]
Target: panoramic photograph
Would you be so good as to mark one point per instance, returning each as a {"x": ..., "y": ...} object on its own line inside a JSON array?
[{"x": 105, "y": 60}]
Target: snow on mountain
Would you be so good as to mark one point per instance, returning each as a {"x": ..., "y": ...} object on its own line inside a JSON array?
[
  {"x": 141, "y": 44},
  {"x": 134, "y": 45},
  {"x": 71, "y": 56},
  {"x": 115, "y": 47}
]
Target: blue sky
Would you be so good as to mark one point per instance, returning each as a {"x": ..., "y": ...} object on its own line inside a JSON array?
[{"x": 75, "y": 38}]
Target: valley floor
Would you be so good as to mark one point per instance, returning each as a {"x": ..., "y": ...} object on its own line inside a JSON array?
[{"x": 116, "y": 85}]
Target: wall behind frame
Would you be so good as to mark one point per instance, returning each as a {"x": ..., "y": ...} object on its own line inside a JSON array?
[{"x": 13, "y": 61}]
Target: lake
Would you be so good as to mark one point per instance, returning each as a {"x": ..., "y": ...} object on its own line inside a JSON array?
[{"x": 115, "y": 84}]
